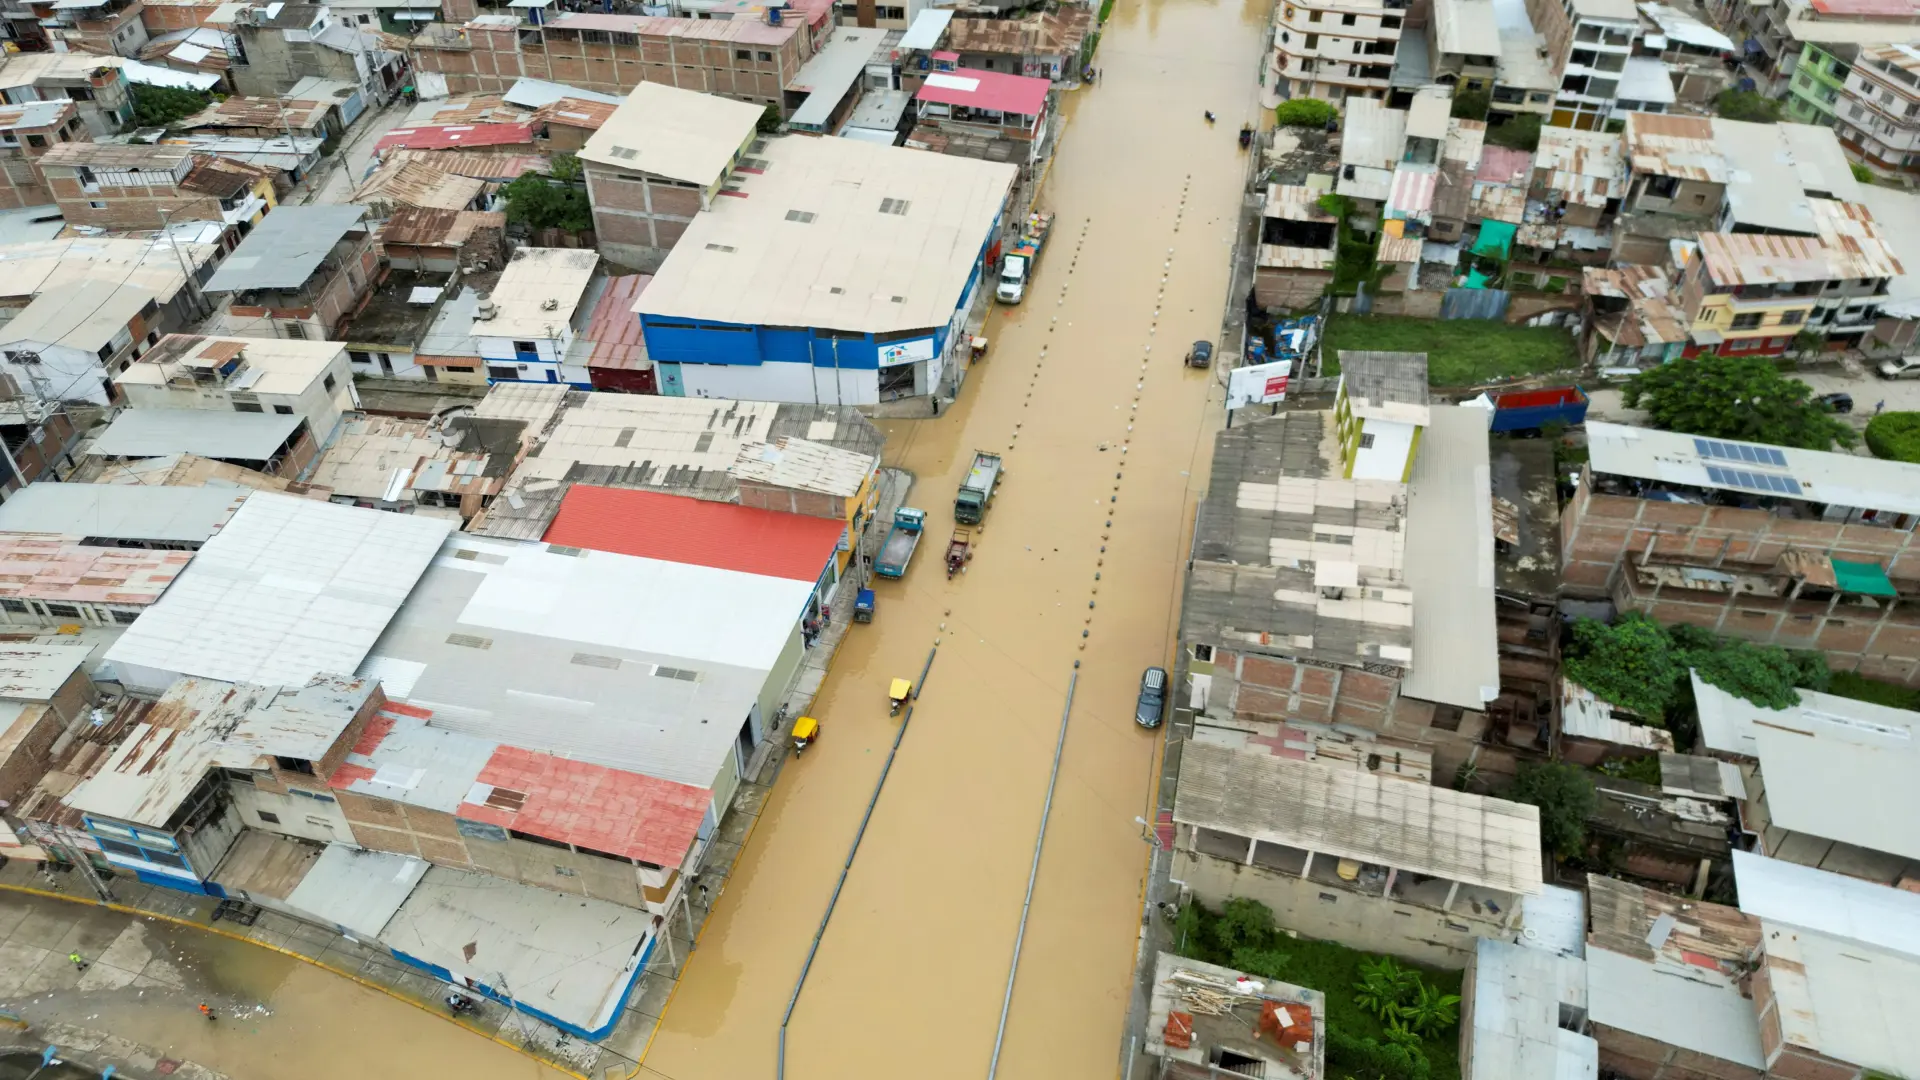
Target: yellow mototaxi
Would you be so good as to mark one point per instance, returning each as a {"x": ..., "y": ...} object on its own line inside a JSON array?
[
  {"x": 805, "y": 731},
  {"x": 897, "y": 694}
]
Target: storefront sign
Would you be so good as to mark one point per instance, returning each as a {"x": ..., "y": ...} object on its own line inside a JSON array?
[
  {"x": 906, "y": 352},
  {"x": 1260, "y": 384}
]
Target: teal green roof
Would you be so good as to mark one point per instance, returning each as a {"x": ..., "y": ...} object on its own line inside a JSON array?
[{"x": 1861, "y": 577}]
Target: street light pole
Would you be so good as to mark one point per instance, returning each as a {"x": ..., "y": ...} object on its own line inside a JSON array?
[{"x": 195, "y": 297}]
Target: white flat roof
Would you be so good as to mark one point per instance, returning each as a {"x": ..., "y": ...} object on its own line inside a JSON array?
[
  {"x": 678, "y": 134},
  {"x": 1646, "y": 80},
  {"x": 1844, "y": 999},
  {"x": 1772, "y": 169},
  {"x": 570, "y": 957},
  {"x": 533, "y": 277},
  {"x": 1832, "y": 767},
  {"x": 357, "y": 889},
  {"x": 1898, "y": 215},
  {"x": 1692, "y": 1008},
  {"x": 1355, "y": 814},
  {"x": 1449, "y": 563},
  {"x": 274, "y": 365},
  {"x": 83, "y": 316},
  {"x": 290, "y": 587},
  {"x": 1518, "y": 997},
  {"x": 121, "y": 511},
  {"x": 924, "y": 33},
  {"x": 1862, "y": 483},
  {"x": 636, "y": 664},
  {"x": 1467, "y": 27},
  {"x": 1825, "y": 902},
  {"x": 811, "y": 246}
]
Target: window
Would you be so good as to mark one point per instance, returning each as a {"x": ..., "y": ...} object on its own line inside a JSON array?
[
  {"x": 1313, "y": 41},
  {"x": 1390, "y": 22},
  {"x": 36, "y": 140},
  {"x": 893, "y": 13},
  {"x": 1662, "y": 187},
  {"x": 764, "y": 57},
  {"x": 1746, "y": 322},
  {"x": 1346, "y": 20},
  {"x": 17, "y": 606},
  {"x": 62, "y": 611},
  {"x": 1313, "y": 16},
  {"x": 247, "y": 406},
  {"x": 743, "y": 54},
  {"x": 464, "y": 370},
  {"x": 268, "y": 816},
  {"x": 294, "y": 764},
  {"x": 525, "y": 347},
  {"x": 124, "y": 618},
  {"x": 1792, "y": 318},
  {"x": 97, "y": 205},
  {"x": 283, "y": 410},
  {"x": 293, "y": 330},
  {"x": 328, "y": 383},
  {"x": 359, "y": 357},
  {"x": 1366, "y": 441},
  {"x": 502, "y": 372},
  {"x": 1203, "y": 653}
]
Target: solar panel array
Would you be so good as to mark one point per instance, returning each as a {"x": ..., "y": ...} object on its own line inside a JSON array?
[
  {"x": 1751, "y": 481},
  {"x": 1740, "y": 453}
]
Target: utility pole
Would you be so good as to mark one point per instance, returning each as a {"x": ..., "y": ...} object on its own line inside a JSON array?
[{"x": 195, "y": 298}]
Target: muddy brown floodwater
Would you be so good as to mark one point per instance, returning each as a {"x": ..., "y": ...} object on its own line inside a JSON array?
[{"x": 910, "y": 975}]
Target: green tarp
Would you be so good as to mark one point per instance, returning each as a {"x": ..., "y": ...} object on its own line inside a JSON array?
[
  {"x": 1861, "y": 577},
  {"x": 1475, "y": 280},
  {"x": 1496, "y": 238}
]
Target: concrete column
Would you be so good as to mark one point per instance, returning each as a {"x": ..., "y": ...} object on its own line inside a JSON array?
[
  {"x": 1392, "y": 873},
  {"x": 1306, "y": 867},
  {"x": 1513, "y": 911},
  {"x": 1453, "y": 890},
  {"x": 1252, "y": 842}
]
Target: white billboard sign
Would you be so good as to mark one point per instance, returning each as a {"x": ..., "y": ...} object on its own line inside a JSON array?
[
  {"x": 906, "y": 352},
  {"x": 1260, "y": 384}
]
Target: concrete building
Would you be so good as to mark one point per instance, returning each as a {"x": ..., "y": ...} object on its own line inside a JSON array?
[
  {"x": 150, "y": 442},
  {"x": 745, "y": 59},
  {"x": 282, "y": 47},
  {"x": 1391, "y": 630},
  {"x": 45, "y": 692},
  {"x": 1377, "y": 862},
  {"x": 663, "y": 156},
  {"x": 1764, "y": 196},
  {"x": 304, "y": 379},
  {"x": 681, "y": 666},
  {"x": 122, "y": 516},
  {"x": 1678, "y": 61},
  {"x": 452, "y": 468},
  {"x": 1878, "y": 112},
  {"x": 1586, "y": 44},
  {"x": 1818, "y": 39},
  {"x": 97, "y": 84},
  {"x": 1043, "y": 45},
  {"x": 1752, "y": 293},
  {"x": 125, "y": 186},
  {"x": 38, "y": 440},
  {"x": 1634, "y": 319},
  {"x": 1676, "y": 185},
  {"x": 27, "y": 131},
  {"x": 1271, "y": 1029},
  {"x": 1294, "y": 266},
  {"x": 1824, "y": 780},
  {"x": 1336, "y": 50},
  {"x": 68, "y": 345},
  {"x": 845, "y": 275},
  {"x": 289, "y": 587},
  {"x": 989, "y": 105},
  {"x": 105, "y": 27},
  {"x": 383, "y": 334},
  {"x": 300, "y": 272},
  {"x": 1749, "y": 541},
  {"x": 529, "y": 320}
]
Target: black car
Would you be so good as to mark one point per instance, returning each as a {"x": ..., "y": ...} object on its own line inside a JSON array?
[
  {"x": 1840, "y": 403},
  {"x": 1201, "y": 355},
  {"x": 1153, "y": 697}
]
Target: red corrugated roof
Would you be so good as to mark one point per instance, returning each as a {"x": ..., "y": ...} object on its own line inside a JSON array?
[
  {"x": 676, "y": 528},
  {"x": 614, "y": 329},
  {"x": 592, "y": 806},
  {"x": 450, "y": 136},
  {"x": 1863, "y": 7},
  {"x": 992, "y": 90}
]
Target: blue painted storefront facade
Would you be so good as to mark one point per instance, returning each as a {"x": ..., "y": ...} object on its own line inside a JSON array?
[{"x": 626, "y": 991}]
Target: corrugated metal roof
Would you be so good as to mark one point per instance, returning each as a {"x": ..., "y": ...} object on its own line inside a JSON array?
[
  {"x": 997, "y": 91},
  {"x": 38, "y": 568},
  {"x": 1034, "y": 35},
  {"x": 285, "y": 248},
  {"x": 1519, "y": 995},
  {"x": 85, "y": 316},
  {"x": 804, "y": 466},
  {"x": 926, "y": 30},
  {"x": 415, "y": 183},
  {"x": 613, "y": 331},
  {"x": 420, "y": 226},
  {"x": 533, "y": 93},
  {"x": 681, "y": 529},
  {"x": 357, "y": 889},
  {"x": 1587, "y": 167},
  {"x": 1790, "y": 894},
  {"x": 1449, "y": 563},
  {"x": 288, "y": 588},
  {"x": 259, "y": 112},
  {"x": 455, "y": 136},
  {"x": 1844, "y": 1000},
  {"x": 590, "y": 806},
  {"x": 35, "y": 672},
  {"x": 1677, "y": 146},
  {"x": 1670, "y": 1004},
  {"x": 1354, "y": 814},
  {"x": 827, "y": 76},
  {"x": 400, "y": 756},
  {"x": 120, "y": 512},
  {"x": 1838, "y": 479}
]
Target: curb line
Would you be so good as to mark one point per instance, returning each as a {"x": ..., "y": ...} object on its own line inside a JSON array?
[{"x": 368, "y": 983}]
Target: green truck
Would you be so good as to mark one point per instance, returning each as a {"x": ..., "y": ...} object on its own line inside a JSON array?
[{"x": 970, "y": 506}]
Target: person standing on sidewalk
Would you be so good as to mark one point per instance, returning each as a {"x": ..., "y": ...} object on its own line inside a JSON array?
[{"x": 79, "y": 962}]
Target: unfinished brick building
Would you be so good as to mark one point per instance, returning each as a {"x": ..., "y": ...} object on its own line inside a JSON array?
[
  {"x": 27, "y": 131},
  {"x": 125, "y": 187},
  {"x": 1798, "y": 548},
  {"x": 611, "y": 54}
]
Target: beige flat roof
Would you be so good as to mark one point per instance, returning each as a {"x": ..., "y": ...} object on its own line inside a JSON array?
[{"x": 678, "y": 134}]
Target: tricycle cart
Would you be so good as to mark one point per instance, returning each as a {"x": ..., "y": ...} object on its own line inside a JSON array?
[
  {"x": 959, "y": 550},
  {"x": 863, "y": 606}
]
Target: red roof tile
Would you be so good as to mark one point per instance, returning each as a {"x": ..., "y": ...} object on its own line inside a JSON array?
[
  {"x": 676, "y": 528},
  {"x": 1020, "y": 94},
  {"x": 590, "y": 806},
  {"x": 453, "y": 136}
]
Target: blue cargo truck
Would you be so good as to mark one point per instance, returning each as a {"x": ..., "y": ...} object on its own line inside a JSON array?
[{"x": 1530, "y": 410}]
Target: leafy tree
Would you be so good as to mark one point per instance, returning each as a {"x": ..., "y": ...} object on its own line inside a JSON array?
[
  {"x": 1564, "y": 794},
  {"x": 158, "y": 106},
  {"x": 1243, "y": 924},
  {"x": 769, "y": 121},
  {"x": 1629, "y": 664},
  {"x": 1374, "y": 1059},
  {"x": 565, "y": 166},
  {"x": 1861, "y": 172},
  {"x": 538, "y": 204},
  {"x": 1763, "y": 674},
  {"x": 1304, "y": 112},
  {"x": 1471, "y": 104},
  {"x": 1747, "y": 105},
  {"x": 1735, "y": 397},
  {"x": 1430, "y": 1011},
  {"x": 1895, "y": 436},
  {"x": 1521, "y": 132}
]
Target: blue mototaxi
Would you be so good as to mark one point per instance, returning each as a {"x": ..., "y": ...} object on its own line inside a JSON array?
[{"x": 863, "y": 606}]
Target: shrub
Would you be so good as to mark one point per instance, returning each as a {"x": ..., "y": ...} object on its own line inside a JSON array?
[
  {"x": 158, "y": 106},
  {"x": 1895, "y": 436},
  {"x": 1304, "y": 112},
  {"x": 1564, "y": 794},
  {"x": 1373, "y": 1058},
  {"x": 1747, "y": 105},
  {"x": 1518, "y": 133},
  {"x": 1629, "y": 664},
  {"x": 1861, "y": 172}
]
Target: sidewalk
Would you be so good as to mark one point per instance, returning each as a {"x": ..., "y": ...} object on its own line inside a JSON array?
[{"x": 96, "y": 1051}]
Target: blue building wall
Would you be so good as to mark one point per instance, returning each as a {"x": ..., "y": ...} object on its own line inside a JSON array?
[{"x": 626, "y": 992}]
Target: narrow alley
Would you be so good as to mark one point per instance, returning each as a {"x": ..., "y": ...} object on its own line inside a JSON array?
[{"x": 912, "y": 970}]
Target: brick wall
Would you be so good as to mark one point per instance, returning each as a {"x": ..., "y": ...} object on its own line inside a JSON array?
[
  {"x": 491, "y": 60},
  {"x": 638, "y": 219},
  {"x": 1289, "y": 290},
  {"x": 31, "y": 735},
  {"x": 1640, "y": 1058},
  {"x": 127, "y": 207}
]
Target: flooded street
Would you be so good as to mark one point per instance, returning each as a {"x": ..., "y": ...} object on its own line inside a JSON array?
[
  {"x": 910, "y": 975},
  {"x": 279, "y": 1018}
]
